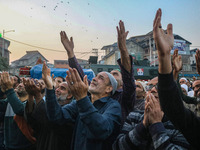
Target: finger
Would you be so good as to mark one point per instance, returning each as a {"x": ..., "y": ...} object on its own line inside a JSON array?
[
  {"x": 71, "y": 40},
  {"x": 117, "y": 31},
  {"x": 158, "y": 20},
  {"x": 156, "y": 16},
  {"x": 85, "y": 80},
  {"x": 65, "y": 36},
  {"x": 121, "y": 27},
  {"x": 73, "y": 77},
  {"x": 69, "y": 77},
  {"x": 44, "y": 67},
  {"x": 12, "y": 79},
  {"x": 126, "y": 33},
  {"x": 170, "y": 29},
  {"x": 76, "y": 75}
]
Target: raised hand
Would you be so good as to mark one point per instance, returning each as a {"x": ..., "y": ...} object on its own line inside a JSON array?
[
  {"x": 177, "y": 61},
  {"x": 154, "y": 110},
  {"x": 33, "y": 88},
  {"x": 77, "y": 87},
  {"x": 164, "y": 42},
  {"x": 122, "y": 35},
  {"x": 46, "y": 76},
  {"x": 68, "y": 44},
  {"x": 7, "y": 82},
  {"x": 197, "y": 57}
]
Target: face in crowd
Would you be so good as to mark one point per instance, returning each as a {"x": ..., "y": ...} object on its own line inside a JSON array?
[
  {"x": 118, "y": 76},
  {"x": 20, "y": 90},
  {"x": 140, "y": 91},
  {"x": 62, "y": 92},
  {"x": 41, "y": 81},
  {"x": 58, "y": 80},
  {"x": 100, "y": 84},
  {"x": 182, "y": 81},
  {"x": 152, "y": 87},
  {"x": 196, "y": 88}
]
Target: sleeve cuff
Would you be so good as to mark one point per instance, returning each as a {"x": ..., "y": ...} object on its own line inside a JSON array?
[
  {"x": 141, "y": 130},
  {"x": 84, "y": 104},
  {"x": 156, "y": 128}
]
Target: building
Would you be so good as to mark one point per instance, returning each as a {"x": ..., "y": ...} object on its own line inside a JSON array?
[
  {"x": 143, "y": 47},
  {"x": 30, "y": 59},
  {"x": 192, "y": 59},
  {"x": 4, "y": 52}
]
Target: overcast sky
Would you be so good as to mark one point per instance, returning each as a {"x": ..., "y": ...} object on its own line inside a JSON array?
[{"x": 92, "y": 23}]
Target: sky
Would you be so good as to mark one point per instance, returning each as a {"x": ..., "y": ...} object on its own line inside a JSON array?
[{"x": 91, "y": 23}]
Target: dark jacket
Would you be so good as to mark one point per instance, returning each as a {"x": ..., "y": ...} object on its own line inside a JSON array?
[
  {"x": 49, "y": 136},
  {"x": 172, "y": 105},
  {"x": 158, "y": 136},
  {"x": 125, "y": 96},
  {"x": 96, "y": 125}
]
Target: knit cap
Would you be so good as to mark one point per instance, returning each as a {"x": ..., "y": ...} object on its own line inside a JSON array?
[{"x": 113, "y": 82}]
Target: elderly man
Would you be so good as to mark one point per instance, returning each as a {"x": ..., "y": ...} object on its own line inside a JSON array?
[
  {"x": 125, "y": 93},
  {"x": 97, "y": 119},
  {"x": 170, "y": 100},
  {"x": 50, "y": 136},
  {"x": 150, "y": 129}
]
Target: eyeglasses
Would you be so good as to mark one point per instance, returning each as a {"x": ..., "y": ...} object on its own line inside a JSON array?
[{"x": 150, "y": 86}]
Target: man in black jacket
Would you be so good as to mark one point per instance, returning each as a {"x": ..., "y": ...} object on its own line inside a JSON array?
[{"x": 170, "y": 100}]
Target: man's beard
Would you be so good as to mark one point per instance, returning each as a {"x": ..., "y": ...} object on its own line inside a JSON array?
[
  {"x": 62, "y": 97},
  {"x": 22, "y": 93}
]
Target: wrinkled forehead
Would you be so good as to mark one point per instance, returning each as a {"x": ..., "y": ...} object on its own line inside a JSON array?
[
  {"x": 63, "y": 84},
  {"x": 196, "y": 82},
  {"x": 104, "y": 75},
  {"x": 153, "y": 81}
]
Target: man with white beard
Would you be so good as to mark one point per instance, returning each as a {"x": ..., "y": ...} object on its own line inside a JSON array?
[{"x": 63, "y": 94}]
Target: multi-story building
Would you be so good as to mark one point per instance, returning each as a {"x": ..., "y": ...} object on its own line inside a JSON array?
[{"x": 143, "y": 47}]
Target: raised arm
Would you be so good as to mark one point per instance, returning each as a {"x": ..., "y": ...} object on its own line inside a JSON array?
[
  {"x": 127, "y": 98},
  {"x": 177, "y": 67},
  {"x": 55, "y": 112},
  {"x": 69, "y": 47},
  {"x": 170, "y": 99}
]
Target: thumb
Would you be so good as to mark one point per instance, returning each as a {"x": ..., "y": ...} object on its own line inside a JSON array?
[{"x": 85, "y": 80}]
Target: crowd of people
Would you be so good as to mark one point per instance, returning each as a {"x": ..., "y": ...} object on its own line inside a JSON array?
[{"x": 113, "y": 111}]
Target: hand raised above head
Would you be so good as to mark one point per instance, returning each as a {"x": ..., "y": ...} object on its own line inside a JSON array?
[
  {"x": 164, "y": 42},
  {"x": 77, "y": 87},
  {"x": 46, "y": 76},
  {"x": 122, "y": 35},
  {"x": 177, "y": 61},
  {"x": 68, "y": 44}
]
